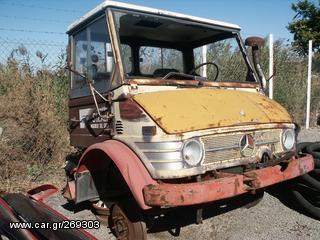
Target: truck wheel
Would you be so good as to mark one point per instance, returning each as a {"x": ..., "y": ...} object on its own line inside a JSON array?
[
  {"x": 101, "y": 211},
  {"x": 101, "y": 208},
  {"x": 123, "y": 228}
]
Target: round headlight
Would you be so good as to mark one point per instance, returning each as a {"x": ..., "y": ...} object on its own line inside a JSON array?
[
  {"x": 192, "y": 152},
  {"x": 288, "y": 139}
]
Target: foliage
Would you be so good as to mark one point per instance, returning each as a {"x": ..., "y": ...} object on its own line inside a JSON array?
[
  {"x": 305, "y": 26},
  {"x": 33, "y": 114},
  {"x": 290, "y": 81},
  {"x": 227, "y": 55}
]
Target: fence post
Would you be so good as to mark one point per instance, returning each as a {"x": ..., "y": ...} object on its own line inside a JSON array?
[
  {"x": 270, "y": 65},
  {"x": 309, "y": 84}
]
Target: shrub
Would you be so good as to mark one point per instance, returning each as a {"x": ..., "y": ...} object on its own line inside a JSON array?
[{"x": 33, "y": 115}]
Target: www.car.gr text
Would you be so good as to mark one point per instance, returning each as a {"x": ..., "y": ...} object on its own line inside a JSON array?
[{"x": 65, "y": 224}]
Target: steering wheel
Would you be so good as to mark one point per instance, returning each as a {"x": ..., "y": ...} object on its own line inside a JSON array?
[{"x": 193, "y": 71}]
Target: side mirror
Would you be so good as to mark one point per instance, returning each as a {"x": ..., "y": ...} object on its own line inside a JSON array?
[{"x": 254, "y": 42}]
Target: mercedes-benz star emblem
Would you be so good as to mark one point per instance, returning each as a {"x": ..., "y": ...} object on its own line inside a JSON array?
[{"x": 246, "y": 145}]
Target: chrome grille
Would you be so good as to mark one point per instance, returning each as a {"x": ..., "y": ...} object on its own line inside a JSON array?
[
  {"x": 225, "y": 147},
  {"x": 222, "y": 155}
]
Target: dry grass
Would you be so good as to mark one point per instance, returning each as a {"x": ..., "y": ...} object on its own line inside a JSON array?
[
  {"x": 33, "y": 114},
  {"x": 34, "y": 142}
]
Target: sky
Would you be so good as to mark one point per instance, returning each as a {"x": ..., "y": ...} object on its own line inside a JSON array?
[{"x": 47, "y": 20}]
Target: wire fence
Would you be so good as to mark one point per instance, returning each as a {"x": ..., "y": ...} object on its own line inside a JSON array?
[
  {"x": 33, "y": 110},
  {"x": 289, "y": 86},
  {"x": 34, "y": 53}
]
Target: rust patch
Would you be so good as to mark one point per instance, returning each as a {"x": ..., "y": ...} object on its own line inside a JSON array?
[
  {"x": 236, "y": 186},
  {"x": 130, "y": 110},
  {"x": 192, "y": 83},
  {"x": 228, "y": 185}
]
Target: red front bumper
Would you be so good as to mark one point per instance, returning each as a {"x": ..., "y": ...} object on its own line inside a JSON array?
[{"x": 171, "y": 195}]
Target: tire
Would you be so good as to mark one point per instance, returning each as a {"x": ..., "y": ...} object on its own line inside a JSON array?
[
  {"x": 123, "y": 228},
  {"x": 317, "y": 163},
  {"x": 306, "y": 205},
  {"x": 306, "y": 189},
  {"x": 310, "y": 181},
  {"x": 308, "y": 192},
  {"x": 314, "y": 150},
  {"x": 302, "y": 147},
  {"x": 315, "y": 174},
  {"x": 311, "y": 148}
]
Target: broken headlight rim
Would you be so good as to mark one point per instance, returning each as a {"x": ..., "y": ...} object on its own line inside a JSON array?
[
  {"x": 288, "y": 139},
  {"x": 193, "y": 152}
]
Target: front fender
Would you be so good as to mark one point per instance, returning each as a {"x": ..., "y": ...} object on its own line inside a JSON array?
[{"x": 129, "y": 165}]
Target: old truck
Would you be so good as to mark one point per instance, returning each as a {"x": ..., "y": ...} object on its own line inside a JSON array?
[{"x": 169, "y": 110}]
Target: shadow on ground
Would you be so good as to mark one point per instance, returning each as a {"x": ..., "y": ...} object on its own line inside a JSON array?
[
  {"x": 71, "y": 206},
  {"x": 173, "y": 220}
]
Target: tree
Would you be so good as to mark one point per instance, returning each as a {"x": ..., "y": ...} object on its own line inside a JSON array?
[{"x": 305, "y": 26}]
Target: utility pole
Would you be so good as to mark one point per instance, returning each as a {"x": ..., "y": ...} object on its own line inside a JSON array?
[
  {"x": 271, "y": 65},
  {"x": 309, "y": 85}
]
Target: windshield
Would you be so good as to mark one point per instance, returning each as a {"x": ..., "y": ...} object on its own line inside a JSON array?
[{"x": 170, "y": 48}]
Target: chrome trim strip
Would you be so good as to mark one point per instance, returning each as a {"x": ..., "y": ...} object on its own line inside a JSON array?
[
  {"x": 168, "y": 146},
  {"x": 165, "y": 161},
  {"x": 160, "y": 150},
  {"x": 221, "y": 148},
  {"x": 267, "y": 142},
  {"x": 163, "y": 155}
]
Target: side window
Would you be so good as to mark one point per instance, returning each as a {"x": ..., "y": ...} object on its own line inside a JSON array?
[
  {"x": 126, "y": 58},
  {"x": 153, "y": 58},
  {"x": 92, "y": 57}
]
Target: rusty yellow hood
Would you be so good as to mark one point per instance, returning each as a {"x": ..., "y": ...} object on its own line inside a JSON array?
[{"x": 186, "y": 110}]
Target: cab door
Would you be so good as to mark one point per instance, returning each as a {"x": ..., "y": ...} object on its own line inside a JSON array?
[{"x": 91, "y": 56}]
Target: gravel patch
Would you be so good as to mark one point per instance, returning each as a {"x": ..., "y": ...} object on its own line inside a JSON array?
[
  {"x": 269, "y": 219},
  {"x": 310, "y": 135}
]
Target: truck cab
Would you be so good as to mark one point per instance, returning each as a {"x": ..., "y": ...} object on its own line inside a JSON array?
[{"x": 169, "y": 110}]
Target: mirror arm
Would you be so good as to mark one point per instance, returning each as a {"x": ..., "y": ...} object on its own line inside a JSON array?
[
  {"x": 69, "y": 68},
  {"x": 93, "y": 93},
  {"x": 270, "y": 77},
  {"x": 92, "y": 90}
]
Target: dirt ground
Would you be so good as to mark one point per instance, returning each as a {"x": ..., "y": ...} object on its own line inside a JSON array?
[{"x": 272, "y": 218}]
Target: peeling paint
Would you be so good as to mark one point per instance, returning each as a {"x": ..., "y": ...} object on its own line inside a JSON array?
[{"x": 228, "y": 185}]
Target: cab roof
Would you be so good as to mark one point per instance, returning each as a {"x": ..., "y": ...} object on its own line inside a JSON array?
[{"x": 102, "y": 6}]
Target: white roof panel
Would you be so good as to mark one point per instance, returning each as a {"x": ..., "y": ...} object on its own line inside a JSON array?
[{"x": 128, "y": 6}]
